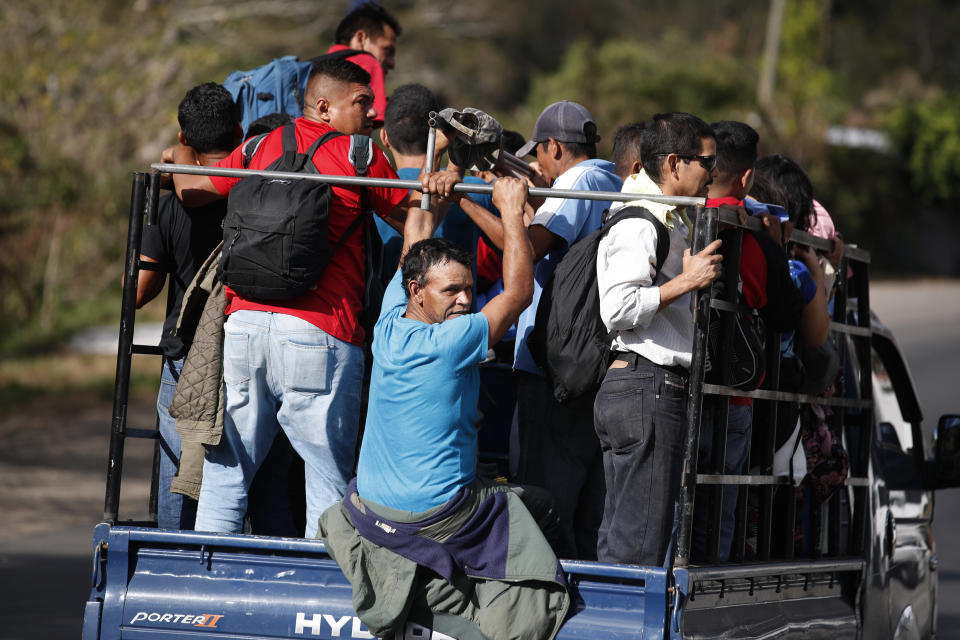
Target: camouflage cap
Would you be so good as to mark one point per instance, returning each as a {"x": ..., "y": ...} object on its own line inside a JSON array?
[{"x": 477, "y": 139}]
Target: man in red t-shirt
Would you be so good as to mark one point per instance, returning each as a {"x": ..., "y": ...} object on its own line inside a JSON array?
[
  {"x": 372, "y": 29},
  {"x": 298, "y": 364}
]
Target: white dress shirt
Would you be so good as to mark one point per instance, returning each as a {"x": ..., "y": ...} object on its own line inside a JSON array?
[{"x": 629, "y": 294}]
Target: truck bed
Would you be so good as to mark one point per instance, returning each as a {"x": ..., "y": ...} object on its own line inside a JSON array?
[{"x": 151, "y": 583}]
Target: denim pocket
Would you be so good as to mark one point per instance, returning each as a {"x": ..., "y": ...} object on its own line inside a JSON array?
[
  {"x": 621, "y": 420},
  {"x": 307, "y": 368},
  {"x": 236, "y": 366}
]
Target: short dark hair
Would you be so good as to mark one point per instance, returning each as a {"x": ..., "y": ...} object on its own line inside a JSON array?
[
  {"x": 208, "y": 118},
  {"x": 626, "y": 146},
  {"x": 427, "y": 253},
  {"x": 267, "y": 123},
  {"x": 512, "y": 140},
  {"x": 675, "y": 132},
  {"x": 406, "y": 118},
  {"x": 736, "y": 147},
  {"x": 369, "y": 18},
  {"x": 338, "y": 69},
  {"x": 576, "y": 149},
  {"x": 779, "y": 180}
]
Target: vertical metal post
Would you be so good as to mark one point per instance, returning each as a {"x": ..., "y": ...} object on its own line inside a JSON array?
[
  {"x": 153, "y": 205},
  {"x": 721, "y": 414},
  {"x": 864, "y": 348},
  {"x": 837, "y": 419},
  {"x": 770, "y": 409},
  {"x": 428, "y": 163},
  {"x": 705, "y": 231},
  {"x": 121, "y": 389}
]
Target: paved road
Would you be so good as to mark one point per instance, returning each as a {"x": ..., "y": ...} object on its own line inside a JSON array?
[{"x": 57, "y": 462}]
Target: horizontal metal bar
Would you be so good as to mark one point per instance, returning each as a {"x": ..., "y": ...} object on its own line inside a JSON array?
[
  {"x": 754, "y": 223},
  {"x": 718, "y": 478},
  {"x": 149, "y": 434},
  {"x": 852, "y": 329},
  {"x": 146, "y": 350},
  {"x": 785, "y": 396},
  {"x": 853, "y": 252},
  {"x": 536, "y": 192},
  {"x": 775, "y": 569},
  {"x": 757, "y": 481},
  {"x": 723, "y": 305}
]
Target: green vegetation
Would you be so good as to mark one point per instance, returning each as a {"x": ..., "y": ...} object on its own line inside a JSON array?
[{"x": 88, "y": 94}]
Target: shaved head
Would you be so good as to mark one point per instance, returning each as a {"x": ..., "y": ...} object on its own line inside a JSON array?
[
  {"x": 338, "y": 93},
  {"x": 329, "y": 77}
]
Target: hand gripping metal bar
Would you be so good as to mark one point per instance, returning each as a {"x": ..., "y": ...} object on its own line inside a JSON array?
[{"x": 355, "y": 181}]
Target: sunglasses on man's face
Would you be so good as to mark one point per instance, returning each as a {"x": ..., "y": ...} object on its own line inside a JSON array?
[{"x": 709, "y": 163}]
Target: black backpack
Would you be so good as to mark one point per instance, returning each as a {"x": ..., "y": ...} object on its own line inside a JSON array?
[
  {"x": 745, "y": 349},
  {"x": 275, "y": 241},
  {"x": 569, "y": 341}
]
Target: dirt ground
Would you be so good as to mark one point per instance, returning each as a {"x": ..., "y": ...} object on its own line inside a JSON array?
[{"x": 53, "y": 462}]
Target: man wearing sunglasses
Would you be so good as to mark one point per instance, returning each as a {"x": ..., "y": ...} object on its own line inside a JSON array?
[{"x": 639, "y": 409}]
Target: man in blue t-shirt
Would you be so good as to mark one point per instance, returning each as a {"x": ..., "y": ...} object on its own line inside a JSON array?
[
  {"x": 556, "y": 445},
  {"x": 420, "y": 442}
]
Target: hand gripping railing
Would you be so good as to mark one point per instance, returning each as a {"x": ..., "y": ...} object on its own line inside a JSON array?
[
  {"x": 389, "y": 183},
  {"x": 857, "y": 327}
]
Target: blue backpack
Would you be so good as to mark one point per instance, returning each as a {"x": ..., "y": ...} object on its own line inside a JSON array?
[{"x": 276, "y": 87}]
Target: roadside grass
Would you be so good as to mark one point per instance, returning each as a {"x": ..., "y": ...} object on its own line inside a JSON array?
[
  {"x": 57, "y": 375},
  {"x": 35, "y": 363}
]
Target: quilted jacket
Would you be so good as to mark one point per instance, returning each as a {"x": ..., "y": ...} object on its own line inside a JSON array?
[{"x": 198, "y": 401}]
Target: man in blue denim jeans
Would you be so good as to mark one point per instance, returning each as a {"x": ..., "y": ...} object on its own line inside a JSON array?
[
  {"x": 639, "y": 409},
  {"x": 179, "y": 243},
  {"x": 297, "y": 364}
]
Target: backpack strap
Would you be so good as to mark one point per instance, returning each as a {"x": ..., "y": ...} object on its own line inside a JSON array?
[
  {"x": 250, "y": 147},
  {"x": 359, "y": 220},
  {"x": 312, "y": 150},
  {"x": 663, "y": 234},
  {"x": 361, "y": 153}
]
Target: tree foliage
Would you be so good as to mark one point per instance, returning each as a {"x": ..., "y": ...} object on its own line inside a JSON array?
[
  {"x": 623, "y": 81},
  {"x": 927, "y": 135},
  {"x": 88, "y": 94}
]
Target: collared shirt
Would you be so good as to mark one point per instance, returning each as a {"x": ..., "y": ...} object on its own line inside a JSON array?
[
  {"x": 571, "y": 220},
  {"x": 629, "y": 292}
]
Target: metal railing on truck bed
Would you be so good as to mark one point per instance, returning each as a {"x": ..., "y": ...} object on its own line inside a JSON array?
[
  {"x": 143, "y": 210},
  {"x": 837, "y": 558},
  {"x": 826, "y": 582}
]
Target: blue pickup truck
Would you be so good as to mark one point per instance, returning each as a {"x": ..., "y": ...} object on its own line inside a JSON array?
[{"x": 860, "y": 565}]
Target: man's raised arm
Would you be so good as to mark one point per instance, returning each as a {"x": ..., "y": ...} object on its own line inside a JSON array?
[
  {"x": 509, "y": 196},
  {"x": 193, "y": 190}
]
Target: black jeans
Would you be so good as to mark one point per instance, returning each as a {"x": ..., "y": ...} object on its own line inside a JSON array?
[
  {"x": 639, "y": 416},
  {"x": 559, "y": 452}
]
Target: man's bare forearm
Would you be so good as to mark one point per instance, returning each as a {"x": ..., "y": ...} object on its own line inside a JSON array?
[
  {"x": 517, "y": 261},
  {"x": 419, "y": 225},
  {"x": 489, "y": 224},
  {"x": 193, "y": 190}
]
